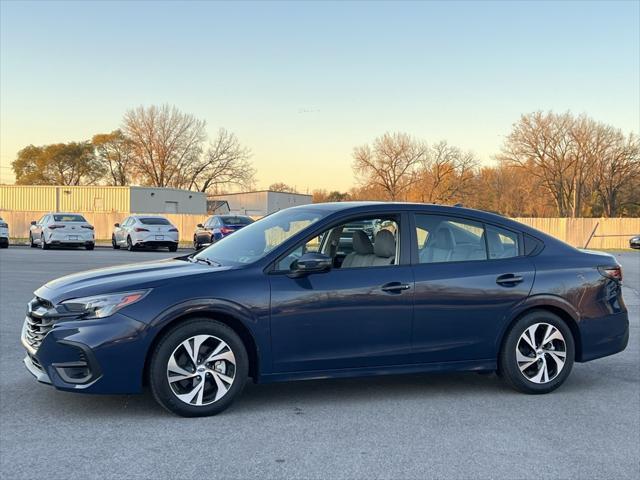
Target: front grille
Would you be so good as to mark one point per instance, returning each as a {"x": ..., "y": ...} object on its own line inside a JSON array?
[{"x": 37, "y": 321}]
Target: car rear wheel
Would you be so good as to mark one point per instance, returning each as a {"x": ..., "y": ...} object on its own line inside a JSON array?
[
  {"x": 538, "y": 353},
  {"x": 43, "y": 244},
  {"x": 173, "y": 248},
  {"x": 114, "y": 244},
  {"x": 90, "y": 246},
  {"x": 198, "y": 368}
]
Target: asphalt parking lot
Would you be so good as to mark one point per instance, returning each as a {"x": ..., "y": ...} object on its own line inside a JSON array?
[{"x": 415, "y": 426}]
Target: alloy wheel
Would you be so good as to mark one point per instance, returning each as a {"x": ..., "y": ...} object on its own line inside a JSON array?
[
  {"x": 541, "y": 353},
  {"x": 201, "y": 370}
]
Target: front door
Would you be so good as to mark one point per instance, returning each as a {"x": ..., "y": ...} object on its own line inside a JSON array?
[{"x": 358, "y": 314}]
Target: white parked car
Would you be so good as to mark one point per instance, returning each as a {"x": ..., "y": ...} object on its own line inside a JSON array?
[
  {"x": 145, "y": 231},
  {"x": 4, "y": 234},
  {"x": 62, "y": 229}
]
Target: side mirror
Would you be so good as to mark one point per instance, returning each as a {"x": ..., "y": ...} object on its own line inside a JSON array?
[
  {"x": 116, "y": 224},
  {"x": 33, "y": 222},
  {"x": 200, "y": 225},
  {"x": 310, "y": 263}
]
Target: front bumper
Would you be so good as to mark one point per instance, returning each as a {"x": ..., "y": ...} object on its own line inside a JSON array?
[{"x": 92, "y": 356}]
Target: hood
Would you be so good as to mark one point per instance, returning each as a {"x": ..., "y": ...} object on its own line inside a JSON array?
[{"x": 121, "y": 278}]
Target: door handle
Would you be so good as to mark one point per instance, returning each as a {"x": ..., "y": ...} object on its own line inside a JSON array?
[
  {"x": 509, "y": 279},
  {"x": 395, "y": 287}
]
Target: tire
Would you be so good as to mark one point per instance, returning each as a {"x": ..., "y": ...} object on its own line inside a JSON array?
[
  {"x": 523, "y": 367},
  {"x": 130, "y": 246},
  {"x": 44, "y": 245},
  {"x": 31, "y": 244},
  {"x": 4, "y": 245},
  {"x": 171, "y": 347},
  {"x": 114, "y": 244},
  {"x": 90, "y": 246},
  {"x": 196, "y": 244},
  {"x": 173, "y": 248}
]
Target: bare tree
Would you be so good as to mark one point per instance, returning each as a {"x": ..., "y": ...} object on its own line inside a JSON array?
[
  {"x": 617, "y": 171},
  {"x": 543, "y": 145},
  {"x": 282, "y": 187},
  {"x": 115, "y": 151},
  {"x": 391, "y": 163},
  {"x": 166, "y": 144},
  {"x": 226, "y": 163},
  {"x": 445, "y": 175}
]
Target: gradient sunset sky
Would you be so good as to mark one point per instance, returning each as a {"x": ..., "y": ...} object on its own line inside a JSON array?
[{"x": 302, "y": 83}]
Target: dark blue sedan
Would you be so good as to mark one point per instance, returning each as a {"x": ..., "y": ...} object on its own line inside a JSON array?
[
  {"x": 419, "y": 288},
  {"x": 216, "y": 227}
]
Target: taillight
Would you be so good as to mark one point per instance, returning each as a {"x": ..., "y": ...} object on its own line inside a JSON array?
[
  {"x": 226, "y": 230},
  {"x": 53, "y": 227},
  {"x": 3, "y": 225},
  {"x": 614, "y": 273},
  {"x": 173, "y": 229},
  {"x": 139, "y": 229},
  {"x": 90, "y": 227}
]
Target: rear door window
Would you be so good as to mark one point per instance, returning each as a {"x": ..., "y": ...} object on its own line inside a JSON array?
[
  {"x": 502, "y": 243},
  {"x": 449, "y": 239}
]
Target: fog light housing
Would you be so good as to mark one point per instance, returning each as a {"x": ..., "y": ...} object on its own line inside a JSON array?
[{"x": 74, "y": 372}]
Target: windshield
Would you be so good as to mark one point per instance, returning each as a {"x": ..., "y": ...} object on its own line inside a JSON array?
[
  {"x": 68, "y": 218},
  {"x": 154, "y": 221},
  {"x": 257, "y": 239},
  {"x": 236, "y": 220}
]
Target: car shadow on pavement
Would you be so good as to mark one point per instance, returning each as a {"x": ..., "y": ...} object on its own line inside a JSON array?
[{"x": 310, "y": 394}]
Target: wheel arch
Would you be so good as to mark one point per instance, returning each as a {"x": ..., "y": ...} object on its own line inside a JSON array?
[
  {"x": 229, "y": 319},
  {"x": 554, "y": 308}
]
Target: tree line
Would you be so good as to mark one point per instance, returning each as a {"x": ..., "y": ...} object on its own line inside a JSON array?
[
  {"x": 156, "y": 146},
  {"x": 549, "y": 165}
]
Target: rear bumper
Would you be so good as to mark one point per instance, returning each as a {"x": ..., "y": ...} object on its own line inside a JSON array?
[{"x": 604, "y": 336}]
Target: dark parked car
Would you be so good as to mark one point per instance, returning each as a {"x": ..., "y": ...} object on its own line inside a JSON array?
[
  {"x": 634, "y": 242},
  {"x": 434, "y": 289},
  {"x": 217, "y": 227}
]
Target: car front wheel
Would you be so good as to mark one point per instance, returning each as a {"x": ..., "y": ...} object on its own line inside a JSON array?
[
  {"x": 538, "y": 353},
  {"x": 43, "y": 244},
  {"x": 198, "y": 368},
  {"x": 114, "y": 244},
  {"x": 130, "y": 246},
  {"x": 31, "y": 242}
]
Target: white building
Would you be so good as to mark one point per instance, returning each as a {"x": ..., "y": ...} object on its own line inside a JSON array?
[{"x": 261, "y": 203}]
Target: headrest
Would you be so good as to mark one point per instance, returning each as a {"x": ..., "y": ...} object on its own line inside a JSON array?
[
  {"x": 361, "y": 243},
  {"x": 495, "y": 244},
  {"x": 385, "y": 244},
  {"x": 444, "y": 238}
]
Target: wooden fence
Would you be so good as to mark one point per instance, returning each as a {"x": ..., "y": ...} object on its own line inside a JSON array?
[{"x": 610, "y": 233}]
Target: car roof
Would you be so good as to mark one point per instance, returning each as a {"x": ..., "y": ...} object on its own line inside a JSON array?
[{"x": 471, "y": 213}]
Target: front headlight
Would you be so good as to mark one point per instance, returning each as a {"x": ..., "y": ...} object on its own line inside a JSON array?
[{"x": 101, "y": 306}]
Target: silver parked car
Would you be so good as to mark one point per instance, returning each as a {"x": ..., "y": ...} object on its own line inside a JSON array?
[
  {"x": 145, "y": 231},
  {"x": 4, "y": 234},
  {"x": 62, "y": 229}
]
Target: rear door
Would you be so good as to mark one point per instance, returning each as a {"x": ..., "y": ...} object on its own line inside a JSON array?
[{"x": 468, "y": 277}]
